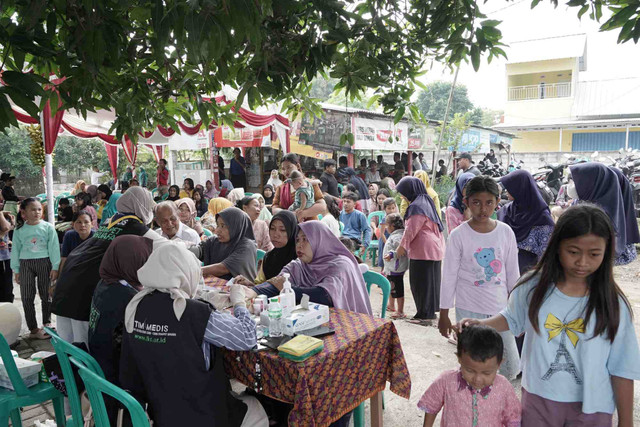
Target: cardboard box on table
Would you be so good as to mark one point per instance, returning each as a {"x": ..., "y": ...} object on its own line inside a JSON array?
[{"x": 305, "y": 316}]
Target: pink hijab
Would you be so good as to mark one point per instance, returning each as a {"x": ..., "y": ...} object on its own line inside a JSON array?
[{"x": 333, "y": 268}]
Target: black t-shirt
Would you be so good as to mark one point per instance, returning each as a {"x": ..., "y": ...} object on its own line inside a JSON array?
[
  {"x": 329, "y": 184},
  {"x": 9, "y": 194},
  {"x": 80, "y": 273}
]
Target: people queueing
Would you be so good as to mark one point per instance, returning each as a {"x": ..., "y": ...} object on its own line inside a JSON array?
[{"x": 522, "y": 275}]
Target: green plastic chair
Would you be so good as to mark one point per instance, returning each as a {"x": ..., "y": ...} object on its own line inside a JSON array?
[
  {"x": 97, "y": 386},
  {"x": 248, "y": 194},
  {"x": 372, "y": 250},
  {"x": 373, "y": 278},
  {"x": 64, "y": 350},
  {"x": 259, "y": 255},
  {"x": 12, "y": 400},
  {"x": 340, "y": 187}
]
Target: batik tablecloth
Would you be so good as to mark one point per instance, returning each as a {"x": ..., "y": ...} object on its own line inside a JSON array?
[{"x": 356, "y": 363}]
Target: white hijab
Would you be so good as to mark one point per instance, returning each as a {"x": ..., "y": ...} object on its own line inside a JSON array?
[{"x": 171, "y": 268}]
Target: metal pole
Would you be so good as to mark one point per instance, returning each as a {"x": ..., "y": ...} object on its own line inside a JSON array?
[
  {"x": 560, "y": 142},
  {"x": 444, "y": 122},
  {"x": 626, "y": 139},
  {"x": 48, "y": 176}
]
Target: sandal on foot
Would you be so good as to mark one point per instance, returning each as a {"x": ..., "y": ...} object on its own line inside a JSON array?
[
  {"x": 421, "y": 322},
  {"x": 391, "y": 309},
  {"x": 398, "y": 316},
  {"x": 39, "y": 335}
]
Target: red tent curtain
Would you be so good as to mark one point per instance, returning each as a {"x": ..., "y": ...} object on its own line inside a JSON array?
[
  {"x": 112, "y": 154},
  {"x": 130, "y": 150},
  {"x": 158, "y": 151},
  {"x": 51, "y": 126},
  {"x": 24, "y": 118}
]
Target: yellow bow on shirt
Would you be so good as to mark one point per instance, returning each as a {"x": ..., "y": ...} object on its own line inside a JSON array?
[{"x": 555, "y": 328}]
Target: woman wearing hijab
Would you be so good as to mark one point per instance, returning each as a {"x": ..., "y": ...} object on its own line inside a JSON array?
[
  {"x": 171, "y": 357},
  {"x": 274, "y": 180},
  {"x": 632, "y": 233},
  {"x": 174, "y": 193},
  {"x": 210, "y": 192},
  {"x": 226, "y": 187},
  {"x": 83, "y": 203},
  {"x": 528, "y": 216},
  {"x": 454, "y": 214},
  {"x": 119, "y": 283},
  {"x": 282, "y": 233},
  {"x": 265, "y": 213},
  {"x": 596, "y": 183},
  {"x": 268, "y": 194},
  {"x": 109, "y": 200},
  {"x": 235, "y": 195},
  {"x": 79, "y": 187},
  {"x": 388, "y": 183},
  {"x": 187, "y": 211},
  {"x": 232, "y": 251},
  {"x": 216, "y": 205},
  {"x": 424, "y": 177},
  {"x": 93, "y": 192},
  {"x": 80, "y": 273},
  {"x": 423, "y": 243},
  {"x": 325, "y": 270},
  {"x": 372, "y": 201}
]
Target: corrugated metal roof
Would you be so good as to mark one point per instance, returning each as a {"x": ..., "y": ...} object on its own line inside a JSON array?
[
  {"x": 607, "y": 98},
  {"x": 569, "y": 46}
]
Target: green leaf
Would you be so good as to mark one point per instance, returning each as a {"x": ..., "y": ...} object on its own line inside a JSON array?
[
  {"x": 372, "y": 100},
  {"x": 23, "y": 82},
  {"x": 475, "y": 57},
  {"x": 23, "y": 102},
  {"x": 399, "y": 115},
  {"x": 351, "y": 139},
  {"x": 490, "y": 23},
  {"x": 583, "y": 10}
]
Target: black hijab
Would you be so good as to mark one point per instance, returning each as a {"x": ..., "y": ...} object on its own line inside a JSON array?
[
  {"x": 268, "y": 200},
  {"x": 177, "y": 196},
  {"x": 275, "y": 260}
]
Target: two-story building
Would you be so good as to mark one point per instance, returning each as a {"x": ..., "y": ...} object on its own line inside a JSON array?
[{"x": 551, "y": 109}]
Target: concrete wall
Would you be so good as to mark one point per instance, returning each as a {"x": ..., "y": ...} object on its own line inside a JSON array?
[{"x": 549, "y": 141}]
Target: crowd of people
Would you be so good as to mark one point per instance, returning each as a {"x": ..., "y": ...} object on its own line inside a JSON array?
[{"x": 533, "y": 295}]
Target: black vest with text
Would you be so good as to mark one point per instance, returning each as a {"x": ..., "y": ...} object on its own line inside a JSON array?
[{"x": 163, "y": 363}]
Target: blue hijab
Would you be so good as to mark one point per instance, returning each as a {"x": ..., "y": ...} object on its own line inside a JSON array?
[
  {"x": 631, "y": 231},
  {"x": 462, "y": 180},
  {"x": 360, "y": 185},
  {"x": 598, "y": 184},
  {"x": 528, "y": 209},
  {"x": 419, "y": 201}
]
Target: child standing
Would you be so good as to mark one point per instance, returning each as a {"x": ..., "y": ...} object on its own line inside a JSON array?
[
  {"x": 480, "y": 267},
  {"x": 474, "y": 395},
  {"x": 580, "y": 353},
  {"x": 6, "y": 275},
  {"x": 394, "y": 264},
  {"x": 304, "y": 192},
  {"x": 35, "y": 256},
  {"x": 389, "y": 206}
]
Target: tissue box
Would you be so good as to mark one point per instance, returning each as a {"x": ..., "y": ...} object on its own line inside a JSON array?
[
  {"x": 29, "y": 371},
  {"x": 301, "y": 319}
]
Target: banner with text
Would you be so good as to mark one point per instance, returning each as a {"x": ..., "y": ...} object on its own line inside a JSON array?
[
  {"x": 376, "y": 134},
  {"x": 226, "y": 136}
]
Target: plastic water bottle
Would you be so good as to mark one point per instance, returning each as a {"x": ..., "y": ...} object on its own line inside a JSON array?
[
  {"x": 275, "y": 318},
  {"x": 287, "y": 297}
]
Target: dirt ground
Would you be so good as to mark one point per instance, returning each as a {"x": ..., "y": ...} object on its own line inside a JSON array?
[{"x": 428, "y": 354}]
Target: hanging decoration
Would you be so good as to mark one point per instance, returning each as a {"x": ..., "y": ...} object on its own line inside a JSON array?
[{"x": 37, "y": 146}]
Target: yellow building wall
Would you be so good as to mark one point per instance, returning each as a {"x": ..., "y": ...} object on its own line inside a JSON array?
[
  {"x": 537, "y": 110},
  {"x": 538, "y": 77},
  {"x": 549, "y": 141}
]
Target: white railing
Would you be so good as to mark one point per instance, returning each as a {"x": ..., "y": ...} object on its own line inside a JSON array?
[{"x": 540, "y": 91}]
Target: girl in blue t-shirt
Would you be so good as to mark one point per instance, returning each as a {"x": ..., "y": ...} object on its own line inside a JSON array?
[
  {"x": 580, "y": 354},
  {"x": 35, "y": 256}
]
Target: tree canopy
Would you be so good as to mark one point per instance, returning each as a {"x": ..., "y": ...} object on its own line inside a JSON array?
[{"x": 152, "y": 61}]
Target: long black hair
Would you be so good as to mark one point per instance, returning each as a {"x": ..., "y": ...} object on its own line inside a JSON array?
[
  {"x": 23, "y": 206},
  {"x": 604, "y": 293},
  {"x": 332, "y": 206},
  {"x": 177, "y": 196},
  {"x": 482, "y": 184}
]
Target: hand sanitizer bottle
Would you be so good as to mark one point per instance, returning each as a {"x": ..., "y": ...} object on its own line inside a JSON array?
[{"x": 287, "y": 297}]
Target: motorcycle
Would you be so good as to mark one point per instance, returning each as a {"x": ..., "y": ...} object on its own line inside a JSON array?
[{"x": 551, "y": 175}]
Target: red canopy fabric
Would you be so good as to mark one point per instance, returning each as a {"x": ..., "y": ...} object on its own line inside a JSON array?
[
  {"x": 157, "y": 150},
  {"x": 112, "y": 154},
  {"x": 51, "y": 126}
]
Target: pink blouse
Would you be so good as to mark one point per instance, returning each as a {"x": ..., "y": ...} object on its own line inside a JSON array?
[
  {"x": 454, "y": 218},
  {"x": 423, "y": 239},
  {"x": 493, "y": 406},
  {"x": 261, "y": 233}
]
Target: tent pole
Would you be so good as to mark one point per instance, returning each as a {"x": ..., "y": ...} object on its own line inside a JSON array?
[{"x": 48, "y": 176}]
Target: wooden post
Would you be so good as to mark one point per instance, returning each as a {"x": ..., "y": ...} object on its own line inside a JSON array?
[{"x": 376, "y": 410}]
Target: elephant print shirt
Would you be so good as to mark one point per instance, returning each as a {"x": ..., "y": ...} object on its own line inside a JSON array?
[{"x": 480, "y": 269}]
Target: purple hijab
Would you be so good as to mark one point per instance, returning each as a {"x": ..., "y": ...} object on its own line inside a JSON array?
[
  {"x": 598, "y": 184},
  {"x": 631, "y": 230},
  {"x": 332, "y": 268},
  {"x": 528, "y": 209},
  {"x": 462, "y": 180},
  {"x": 419, "y": 201}
]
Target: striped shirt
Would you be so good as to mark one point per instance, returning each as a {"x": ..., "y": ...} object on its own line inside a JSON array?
[{"x": 234, "y": 333}]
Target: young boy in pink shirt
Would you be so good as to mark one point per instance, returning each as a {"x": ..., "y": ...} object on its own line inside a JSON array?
[{"x": 474, "y": 395}]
